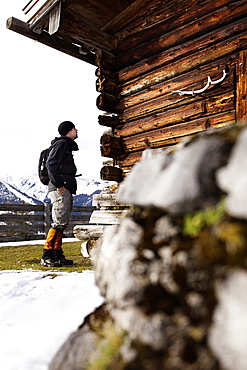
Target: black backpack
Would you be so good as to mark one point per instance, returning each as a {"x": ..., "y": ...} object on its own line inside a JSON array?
[{"x": 42, "y": 169}]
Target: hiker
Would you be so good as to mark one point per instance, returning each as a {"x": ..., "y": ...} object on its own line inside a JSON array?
[{"x": 62, "y": 184}]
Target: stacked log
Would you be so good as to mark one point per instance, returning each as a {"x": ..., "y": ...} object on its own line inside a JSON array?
[{"x": 165, "y": 48}]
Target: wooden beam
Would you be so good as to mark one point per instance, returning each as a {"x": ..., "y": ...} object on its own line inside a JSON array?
[
  {"x": 111, "y": 173},
  {"x": 52, "y": 41},
  {"x": 241, "y": 88},
  {"x": 107, "y": 102},
  {"x": 39, "y": 10},
  {"x": 166, "y": 118},
  {"x": 126, "y": 15},
  {"x": 105, "y": 59},
  {"x": 105, "y": 84},
  {"x": 157, "y": 138},
  {"x": 79, "y": 31},
  {"x": 108, "y": 121},
  {"x": 111, "y": 146},
  {"x": 159, "y": 96},
  {"x": 129, "y": 159},
  {"x": 174, "y": 100},
  {"x": 134, "y": 49},
  {"x": 174, "y": 115},
  {"x": 174, "y": 53},
  {"x": 112, "y": 217},
  {"x": 188, "y": 63}
]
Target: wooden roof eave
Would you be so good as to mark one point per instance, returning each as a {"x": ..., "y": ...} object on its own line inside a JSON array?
[{"x": 53, "y": 41}]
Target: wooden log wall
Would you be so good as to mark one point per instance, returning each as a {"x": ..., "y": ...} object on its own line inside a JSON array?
[{"x": 165, "y": 47}]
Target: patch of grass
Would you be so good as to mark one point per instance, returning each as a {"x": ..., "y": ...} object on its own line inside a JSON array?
[{"x": 28, "y": 257}]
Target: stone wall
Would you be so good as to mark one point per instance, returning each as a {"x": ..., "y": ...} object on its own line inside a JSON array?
[{"x": 173, "y": 273}]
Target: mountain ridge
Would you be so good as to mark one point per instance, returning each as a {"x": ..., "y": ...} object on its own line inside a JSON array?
[{"x": 30, "y": 190}]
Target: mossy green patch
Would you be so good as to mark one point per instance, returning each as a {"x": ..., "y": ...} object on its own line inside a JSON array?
[
  {"x": 107, "y": 355},
  {"x": 194, "y": 222}
]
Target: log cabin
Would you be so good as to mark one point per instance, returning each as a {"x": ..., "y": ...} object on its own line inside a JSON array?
[{"x": 166, "y": 69}]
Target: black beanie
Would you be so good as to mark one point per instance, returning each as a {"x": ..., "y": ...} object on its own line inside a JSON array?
[{"x": 65, "y": 127}]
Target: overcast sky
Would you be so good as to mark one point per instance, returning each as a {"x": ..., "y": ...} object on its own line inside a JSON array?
[{"x": 41, "y": 87}]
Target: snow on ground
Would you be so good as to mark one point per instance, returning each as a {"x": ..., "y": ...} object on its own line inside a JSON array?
[
  {"x": 39, "y": 312},
  {"x": 31, "y": 242}
]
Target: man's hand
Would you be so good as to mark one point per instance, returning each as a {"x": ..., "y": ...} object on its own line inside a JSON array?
[{"x": 61, "y": 190}]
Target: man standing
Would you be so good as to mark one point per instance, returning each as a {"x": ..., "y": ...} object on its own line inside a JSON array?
[{"x": 62, "y": 171}]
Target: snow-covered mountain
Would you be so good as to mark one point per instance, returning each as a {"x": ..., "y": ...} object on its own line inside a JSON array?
[{"x": 30, "y": 190}]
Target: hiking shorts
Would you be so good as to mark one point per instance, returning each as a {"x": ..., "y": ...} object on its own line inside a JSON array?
[{"x": 61, "y": 208}]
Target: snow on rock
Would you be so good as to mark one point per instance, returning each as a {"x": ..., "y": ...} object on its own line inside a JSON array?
[
  {"x": 228, "y": 339},
  {"x": 233, "y": 178}
]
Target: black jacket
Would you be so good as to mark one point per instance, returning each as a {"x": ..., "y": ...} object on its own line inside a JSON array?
[{"x": 60, "y": 164}]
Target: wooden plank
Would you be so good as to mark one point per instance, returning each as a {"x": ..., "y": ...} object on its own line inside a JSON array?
[
  {"x": 98, "y": 13},
  {"x": 108, "y": 121},
  {"x": 86, "y": 232},
  {"x": 14, "y": 228},
  {"x": 186, "y": 64},
  {"x": 169, "y": 117},
  {"x": 78, "y": 30},
  {"x": 168, "y": 56},
  {"x": 144, "y": 25},
  {"x": 172, "y": 116},
  {"x": 187, "y": 31},
  {"x": 174, "y": 100},
  {"x": 107, "y": 217},
  {"x": 40, "y": 6},
  {"x": 105, "y": 84},
  {"x": 129, "y": 160},
  {"x": 49, "y": 40},
  {"x": 88, "y": 209},
  {"x": 13, "y": 217},
  {"x": 38, "y": 13},
  {"x": 111, "y": 173},
  {"x": 193, "y": 79},
  {"x": 162, "y": 17},
  {"x": 81, "y": 218},
  {"x": 19, "y": 238},
  {"x": 157, "y": 138},
  {"x": 107, "y": 102},
  {"x": 241, "y": 88},
  {"x": 104, "y": 200},
  {"x": 21, "y": 207},
  {"x": 111, "y": 146},
  {"x": 119, "y": 21},
  {"x": 54, "y": 19}
]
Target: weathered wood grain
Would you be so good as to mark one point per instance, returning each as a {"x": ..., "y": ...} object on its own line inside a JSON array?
[
  {"x": 111, "y": 146},
  {"x": 49, "y": 40},
  {"x": 188, "y": 63},
  {"x": 111, "y": 173},
  {"x": 77, "y": 30},
  {"x": 172, "y": 100},
  {"x": 157, "y": 138},
  {"x": 108, "y": 103},
  {"x": 107, "y": 217},
  {"x": 241, "y": 88},
  {"x": 163, "y": 17},
  {"x": 208, "y": 21},
  {"x": 171, "y": 116},
  {"x": 170, "y": 55},
  {"x": 108, "y": 121},
  {"x": 193, "y": 79}
]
